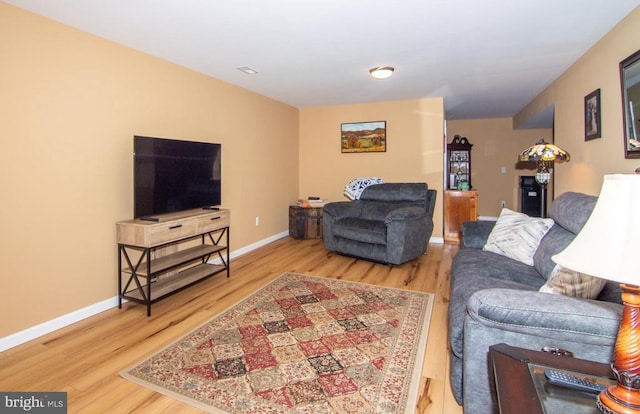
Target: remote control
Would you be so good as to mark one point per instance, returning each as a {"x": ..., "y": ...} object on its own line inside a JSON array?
[{"x": 571, "y": 381}]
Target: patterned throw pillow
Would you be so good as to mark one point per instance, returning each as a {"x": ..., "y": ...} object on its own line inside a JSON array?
[
  {"x": 517, "y": 236},
  {"x": 563, "y": 281},
  {"x": 354, "y": 188}
]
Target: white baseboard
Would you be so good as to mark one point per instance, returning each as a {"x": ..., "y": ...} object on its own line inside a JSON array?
[
  {"x": 258, "y": 244},
  {"x": 439, "y": 240},
  {"x": 55, "y": 324},
  {"x": 76, "y": 316},
  {"x": 488, "y": 218}
]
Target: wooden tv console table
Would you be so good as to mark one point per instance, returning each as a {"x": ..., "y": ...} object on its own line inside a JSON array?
[{"x": 159, "y": 258}]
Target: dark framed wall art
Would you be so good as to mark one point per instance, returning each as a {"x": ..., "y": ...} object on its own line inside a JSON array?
[
  {"x": 592, "y": 123},
  {"x": 363, "y": 137}
]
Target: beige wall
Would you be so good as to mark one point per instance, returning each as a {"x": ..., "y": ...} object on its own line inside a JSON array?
[
  {"x": 495, "y": 145},
  {"x": 414, "y": 148},
  {"x": 598, "y": 68},
  {"x": 70, "y": 104}
]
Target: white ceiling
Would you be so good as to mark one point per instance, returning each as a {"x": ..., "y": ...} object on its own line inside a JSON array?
[{"x": 486, "y": 58}]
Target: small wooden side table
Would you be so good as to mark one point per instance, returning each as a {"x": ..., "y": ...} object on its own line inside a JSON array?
[
  {"x": 305, "y": 222},
  {"x": 459, "y": 207},
  {"x": 517, "y": 373}
]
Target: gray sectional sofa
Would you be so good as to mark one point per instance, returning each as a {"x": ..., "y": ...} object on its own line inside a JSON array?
[{"x": 495, "y": 299}]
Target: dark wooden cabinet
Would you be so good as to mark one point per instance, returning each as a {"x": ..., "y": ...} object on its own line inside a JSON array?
[{"x": 458, "y": 163}]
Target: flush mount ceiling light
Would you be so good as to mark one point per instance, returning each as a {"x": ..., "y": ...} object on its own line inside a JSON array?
[
  {"x": 381, "y": 72},
  {"x": 247, "y": 70}
]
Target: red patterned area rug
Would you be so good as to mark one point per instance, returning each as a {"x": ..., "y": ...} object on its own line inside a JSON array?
[{"x": 301, "y": 344}]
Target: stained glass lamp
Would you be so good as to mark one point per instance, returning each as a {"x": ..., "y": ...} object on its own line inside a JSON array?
[{"x": 544, "y": 154}]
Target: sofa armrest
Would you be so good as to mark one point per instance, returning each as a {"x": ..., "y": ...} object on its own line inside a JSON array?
[
  {"x": 547, "y": 315},
  {"x": 340, "y": 209},
  {"x": 404, "y": 213},
  {"x": 476, "y": 233},
  {"x": 531, "y": 320}
]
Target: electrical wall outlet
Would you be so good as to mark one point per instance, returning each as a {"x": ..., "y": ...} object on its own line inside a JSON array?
[
  {"x": 257, "y": 221},
  {"x": 503, "y": 204}
]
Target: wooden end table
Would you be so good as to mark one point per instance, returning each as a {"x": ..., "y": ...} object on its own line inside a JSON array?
[{"x": 522, "y": 389}]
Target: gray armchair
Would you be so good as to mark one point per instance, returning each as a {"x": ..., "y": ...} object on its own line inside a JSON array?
[{"x": 390, "y": 223}]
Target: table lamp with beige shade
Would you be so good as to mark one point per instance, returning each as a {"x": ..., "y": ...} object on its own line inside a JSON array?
[{"x": 608, "y": 247}]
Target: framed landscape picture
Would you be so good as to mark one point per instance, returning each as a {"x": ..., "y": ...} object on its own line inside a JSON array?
[
  {"x": 592, "y": 125},
  {"x": 364, "y": 137}
]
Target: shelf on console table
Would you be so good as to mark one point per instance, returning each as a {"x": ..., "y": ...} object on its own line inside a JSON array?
[{"x": 160, "y": 258}]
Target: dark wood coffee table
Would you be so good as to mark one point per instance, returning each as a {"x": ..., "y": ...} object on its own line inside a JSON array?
[{"x": 517, "y": 373}]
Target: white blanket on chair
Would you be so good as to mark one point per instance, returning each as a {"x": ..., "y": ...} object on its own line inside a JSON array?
[{"x": 354, "y": 188}]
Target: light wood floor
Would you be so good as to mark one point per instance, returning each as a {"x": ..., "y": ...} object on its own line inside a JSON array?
[{"x": 84, "y": 359}]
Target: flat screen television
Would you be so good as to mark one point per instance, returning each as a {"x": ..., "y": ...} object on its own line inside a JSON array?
[{"x": 173, "y": 175}]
